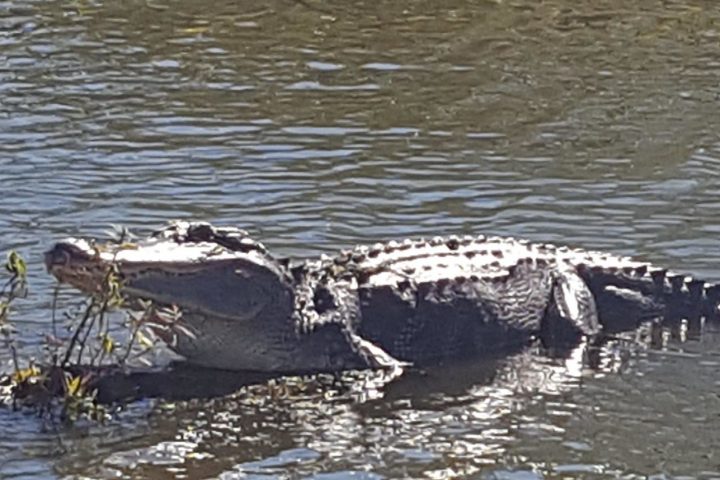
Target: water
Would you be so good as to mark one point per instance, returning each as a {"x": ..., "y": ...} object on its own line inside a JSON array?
[{"x": 318, "y": 125}]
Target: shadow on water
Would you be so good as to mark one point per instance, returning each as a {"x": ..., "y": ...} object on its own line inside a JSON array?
[
  {"x": 452, "y": 378},
  {"x": 182, "y": 381}
]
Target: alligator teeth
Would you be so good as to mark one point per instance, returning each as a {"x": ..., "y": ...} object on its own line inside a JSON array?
[
  {"x": 435, "y": 241},
  {"x": 407, "y": 243}
]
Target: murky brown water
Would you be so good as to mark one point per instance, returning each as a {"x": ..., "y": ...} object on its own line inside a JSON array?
[{"x": 322, "y": 124}]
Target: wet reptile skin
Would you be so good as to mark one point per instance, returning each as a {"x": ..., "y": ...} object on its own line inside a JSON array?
[{"x": 415, "y": 301}]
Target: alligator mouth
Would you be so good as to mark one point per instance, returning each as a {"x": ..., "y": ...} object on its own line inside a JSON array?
[{"x": 214, "y": 271}]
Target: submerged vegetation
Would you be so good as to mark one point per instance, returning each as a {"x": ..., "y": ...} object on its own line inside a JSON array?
[
  {"x": 79, "y": 353},
  {"x": 15, "y": 287}
]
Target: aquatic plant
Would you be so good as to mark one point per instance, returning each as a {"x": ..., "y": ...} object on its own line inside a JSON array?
[
  {"x": 64, "y": 384},
  {"x": 15, "y": 287}
]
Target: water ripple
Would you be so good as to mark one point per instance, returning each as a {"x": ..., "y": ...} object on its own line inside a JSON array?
[{"x": 318, "y": 126}]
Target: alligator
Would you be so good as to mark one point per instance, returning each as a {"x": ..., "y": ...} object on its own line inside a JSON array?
[{"x": 387, "y": 305}]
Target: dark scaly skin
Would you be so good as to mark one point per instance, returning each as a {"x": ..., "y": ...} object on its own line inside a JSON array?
[{"x": 381, "y": 306}]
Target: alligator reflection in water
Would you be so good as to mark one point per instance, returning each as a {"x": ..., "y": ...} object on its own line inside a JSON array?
[
  {"x": 471, "y": 409},
  {"x": 532, "y": 368},
  {"x": 322, "y": 416}
]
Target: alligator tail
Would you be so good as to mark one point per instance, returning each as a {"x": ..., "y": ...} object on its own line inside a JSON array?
[{"x": 628, "y": 292}]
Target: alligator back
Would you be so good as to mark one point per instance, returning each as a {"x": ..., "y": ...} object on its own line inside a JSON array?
[{"x": 423, "y": 300}]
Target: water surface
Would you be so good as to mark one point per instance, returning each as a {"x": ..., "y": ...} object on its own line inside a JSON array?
[{"x": 318, "y": 125}]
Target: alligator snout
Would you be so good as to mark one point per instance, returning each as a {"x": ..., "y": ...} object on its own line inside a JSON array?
[{"x": 62, "y": 254}]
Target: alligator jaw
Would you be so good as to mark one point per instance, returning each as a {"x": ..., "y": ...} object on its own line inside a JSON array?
[{"x": 220, "y": 279}]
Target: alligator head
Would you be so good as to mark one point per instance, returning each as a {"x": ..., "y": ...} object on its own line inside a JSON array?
[
  {"x": 216, "y": 271},
  {"x": 222, "y": 280}
]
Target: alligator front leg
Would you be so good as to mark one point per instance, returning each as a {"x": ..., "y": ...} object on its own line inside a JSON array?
[
  {"x": 323, "y": 304},
  {"x": 374, "y": 356}
]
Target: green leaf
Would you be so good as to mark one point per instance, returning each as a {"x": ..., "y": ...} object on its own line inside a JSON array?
[{"x": 15, "y": 264}]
